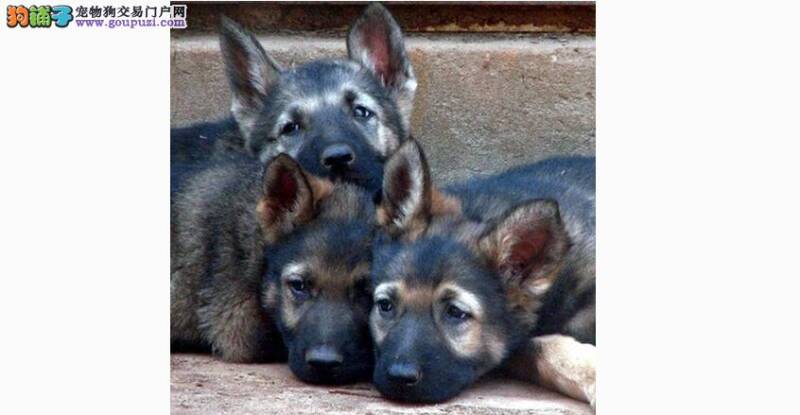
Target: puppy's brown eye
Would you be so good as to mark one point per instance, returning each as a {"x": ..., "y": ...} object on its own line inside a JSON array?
[
  {"x": 385, "y": 307},
  {"x": 297, "y": 285},
  {"x": 299, "y": 289},
  {"x": 456, "y": 313},
  {"x": 362, "y": 112},
  {"x": 290, "y": 128}
]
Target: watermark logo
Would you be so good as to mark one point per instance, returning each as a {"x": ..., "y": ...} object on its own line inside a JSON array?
[
  {"x": 39, "y": 16},
  {"x": 173, "y": 17}
]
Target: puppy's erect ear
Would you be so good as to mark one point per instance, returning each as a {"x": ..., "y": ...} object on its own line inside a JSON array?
[
  {"x": 527, "y": 246},
  {"x": 250, "y": 72},
  {"x": 376, "y": 41},
  {"x": 406, "y": 202},
  {"x": 290, "y": 196},
  {"x": 409, "y": 200}
]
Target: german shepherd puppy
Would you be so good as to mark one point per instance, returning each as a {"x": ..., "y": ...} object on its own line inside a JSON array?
[
  {"x": 493, "y": 271},
  {"x": 340, "y": 118},
  {"x": 228, "y": 222}
]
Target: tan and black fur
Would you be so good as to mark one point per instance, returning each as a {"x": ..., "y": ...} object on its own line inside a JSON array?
[
  {"x": 238, "y": 233},
  {"x": 340, "y": 118},
  {"x": 495, "y": 271},
  {"x": 240, "y": 240}
]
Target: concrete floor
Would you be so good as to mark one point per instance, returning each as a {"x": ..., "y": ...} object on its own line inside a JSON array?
[{"x": 201, "y": 384}]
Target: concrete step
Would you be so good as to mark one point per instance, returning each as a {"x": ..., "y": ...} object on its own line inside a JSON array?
[
  {"x": 201, "y": 384},
  {"x": 485, "y": 101}
]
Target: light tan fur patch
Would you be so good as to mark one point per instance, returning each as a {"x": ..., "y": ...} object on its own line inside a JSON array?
[
  {"x": 468, "y": 339},
  {"x": 443, "y": 204},
  {"x": 559, "y": 363},
  {"x": 321, "y": 188},
  {"x": 415, "y": 298},
  {"x": 335, "y": 280}
]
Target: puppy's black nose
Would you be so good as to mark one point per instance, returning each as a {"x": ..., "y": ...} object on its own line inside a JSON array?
[
  {"x": 338, "y": 156},
  {"x": 323, "y": 357},
  {"x": 406, "y": 373}
]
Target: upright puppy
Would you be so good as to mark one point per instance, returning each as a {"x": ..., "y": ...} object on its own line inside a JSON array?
[
  {"x": 340, "y": 118},
  {"x": 495, "y": 271}
]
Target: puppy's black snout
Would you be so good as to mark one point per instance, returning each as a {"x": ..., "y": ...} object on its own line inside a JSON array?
[
  {"x": 338, "y": 156},
  {"x": 405, "y": 373},
  {"x": 324, "y": 357}
]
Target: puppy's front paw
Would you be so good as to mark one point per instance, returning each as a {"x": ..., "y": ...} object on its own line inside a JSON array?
[
  {"x": 565, "y": 365},
  {"x": 590, "y": 395}
]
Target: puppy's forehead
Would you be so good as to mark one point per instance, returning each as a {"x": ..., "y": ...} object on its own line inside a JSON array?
[
  {"x": 338, "y": 243},
  {"x": 323, "y": 78},
  {"x": 411, "y": 296},
  {"x": 327, "y": 272},
  {"x": 430, "y": 262},
  {"x": 338, "y": 276}
]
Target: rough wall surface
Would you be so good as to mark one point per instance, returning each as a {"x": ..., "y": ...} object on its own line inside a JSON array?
[
  {"x": 331, "y": 17},
  {"x": 484, "y": 101}
]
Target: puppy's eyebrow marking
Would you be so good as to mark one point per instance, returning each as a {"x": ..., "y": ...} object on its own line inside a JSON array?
[
  {"x": 386, "y": 289},
  {"x": 293, "y": 268}
]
